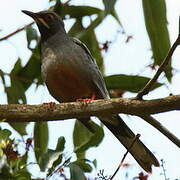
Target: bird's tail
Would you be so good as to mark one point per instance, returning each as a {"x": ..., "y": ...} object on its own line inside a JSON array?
[{"x": 123, "y": 133}]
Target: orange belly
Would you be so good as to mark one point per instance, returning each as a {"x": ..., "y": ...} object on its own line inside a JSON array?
[{"x": 66, "y": 85}]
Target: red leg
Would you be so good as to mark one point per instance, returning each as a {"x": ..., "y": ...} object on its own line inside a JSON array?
[
  {"x": 50, "y": 105},
  {"x": 93, "y": 97},
  {"x": 86, "y": 101}
]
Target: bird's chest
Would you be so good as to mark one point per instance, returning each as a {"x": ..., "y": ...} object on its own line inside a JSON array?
[{"x": 64, "y": 79}]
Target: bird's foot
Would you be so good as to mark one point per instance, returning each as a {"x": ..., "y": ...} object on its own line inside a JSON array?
[
  {"x": 86, "y": 101},
  {"x": 49, "y": 105}
]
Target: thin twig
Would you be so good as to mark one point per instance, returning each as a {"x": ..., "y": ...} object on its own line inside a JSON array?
[
  {"x": 164, "y": 170},
  {"x": 135, "y": 139},
  {"x": 67, "y": 2},
  {"x": 101, "y": 175},
  {"x": 163, "y": 65},
  {"x": 58, "y": 167},
  {"x": 161, "y": 128},
  {"x": 15, "y": 32}
]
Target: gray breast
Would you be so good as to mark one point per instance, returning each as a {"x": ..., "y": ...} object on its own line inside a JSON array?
[{"x": 49, "y": 62}]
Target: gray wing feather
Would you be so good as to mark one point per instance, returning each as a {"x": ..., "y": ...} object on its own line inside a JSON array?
[{"x": 97, "y": 77}]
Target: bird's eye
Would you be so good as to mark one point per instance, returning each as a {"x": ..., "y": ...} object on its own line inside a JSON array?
[{"x": 49, "y": 16}]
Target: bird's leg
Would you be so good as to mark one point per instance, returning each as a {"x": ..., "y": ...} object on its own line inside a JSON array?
[
  {"x": 49, "y": 105},
  {"x": 86, "y": 101}
]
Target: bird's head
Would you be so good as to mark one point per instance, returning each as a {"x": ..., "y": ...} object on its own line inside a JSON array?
[{"x": 49, "y": 23}]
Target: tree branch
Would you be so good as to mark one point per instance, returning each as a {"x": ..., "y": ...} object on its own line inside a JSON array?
[
  {"x": 163, "y": 65},
  {"x": 15, "y": 32},
  {"x": 36, "y": 113},
  {"x": 161, "y": 128}
]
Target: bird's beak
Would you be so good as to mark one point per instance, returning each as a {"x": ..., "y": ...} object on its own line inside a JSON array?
[
  {"x": 31, "y": 14},
  {"x": 36, "y": 17}
]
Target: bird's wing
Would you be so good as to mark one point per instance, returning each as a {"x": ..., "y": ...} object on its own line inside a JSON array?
[
  {"x": 96, "y": 75},
  {"x": 124, "y": 134},
  {"x": 78, "y": 42},
  {"x": 117, "y": 126}
]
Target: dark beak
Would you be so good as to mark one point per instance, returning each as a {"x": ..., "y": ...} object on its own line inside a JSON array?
[
  {"x": 31, "y": 14},
  {"x": 37, "y": 17}
]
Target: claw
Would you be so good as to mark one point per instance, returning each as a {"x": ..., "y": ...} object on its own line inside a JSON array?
[
  {"x": 86, "y": 101},
  {"x": 49, "y": 105}
]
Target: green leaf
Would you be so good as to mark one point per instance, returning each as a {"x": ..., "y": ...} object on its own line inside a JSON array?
[
  {"x": 88, "y": 37},
  {"x": 60, "y": 144},
  {"x": 5, "y": 171},
  {"x": 22, "y": 174},
  {"x": 57, "y": 162},
  {"x": 76, "y": 28},
  {"x": 16, "y": 94},
  {"x": 52, "y": 157},
  {"x": 76, "y": 11},
  {"x": 16, "y": 91},
  {"x": 115, "y": 15},
  {"x": 101, "y": 16},
  {"x": 109, "y": 5},
  {"x": 93, "y": 45},
  {"x": 17, "y": 67},
  {"x": 76, "y": 173},
  {"x": 83, "y": 165},
  {"x": 32, "y": 70},
  {"x": 156, "y": 26},
  {"x": 31, "y": 34},
  {"x": 110, "y": 9},
  {"x": 48, "y": 159},
  {"x": 4, "y": 135},
  {"x": 129, "y": 83},
  {"x": 94, "y": 163},
  {"x": 41, "y": 137},
  {"x": 2, "y": 77},
  {"x": 21, "y": 162},
  {"x": 83, "y": 139},
  {"x": 19, "y": 127}
]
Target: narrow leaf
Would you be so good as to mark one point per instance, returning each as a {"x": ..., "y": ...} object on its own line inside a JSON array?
[
  {"x": 52, "y": 158},
  {"x": 83, "y": 139},
  {"x": 88, "y": 37},
  {"x": 16, "y": 94},
  {"x": 60, "y": 144},
  {"x": 32, "y": 69},
  {"x": 93, "y": 25},
  {"x": 31, "y": 34},
  {"x": 22, "y": 174},
  {"x": 109, "y": 5},
  {"x": 156, "y": 26},
  {"x": 2, "y": 77},
  {"x": 76, "y": 11},
  {"x": 19, "y": 127},
  {"x": 129, "y": 83},
  {"x": 41, "y": 137},
  {"x": 4, "y": 135},
  {"x": 76, "y": 172},
  {"x": 83, "y": 165},
  {"x": 110, "y": 9},
  {"x": 48, "y": 158}
]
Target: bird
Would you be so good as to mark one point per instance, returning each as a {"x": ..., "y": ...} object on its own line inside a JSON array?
[{"x": 70, "y": 72}]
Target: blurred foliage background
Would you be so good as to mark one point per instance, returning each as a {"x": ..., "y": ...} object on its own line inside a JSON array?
[{"x": 14, "y": 156}]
